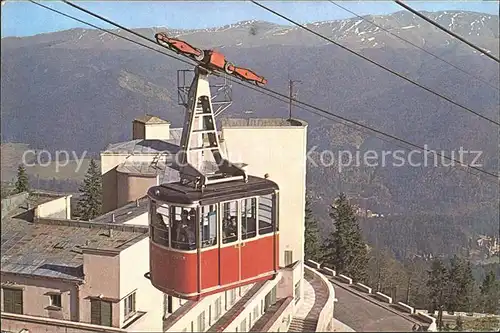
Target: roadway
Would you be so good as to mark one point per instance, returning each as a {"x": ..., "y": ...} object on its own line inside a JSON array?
[{"x": 363, "y": 313}]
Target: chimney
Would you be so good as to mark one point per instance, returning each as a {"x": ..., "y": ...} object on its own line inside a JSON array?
[
  {"x": 137, "y": 202},
  {"x": 150, "y": 127},
  {"x": 113, "y": 217},
  {"x": 110, "y": 232}
]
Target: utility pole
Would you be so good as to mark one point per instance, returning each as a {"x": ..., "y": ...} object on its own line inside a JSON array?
[{"x": 290, "y": 88}]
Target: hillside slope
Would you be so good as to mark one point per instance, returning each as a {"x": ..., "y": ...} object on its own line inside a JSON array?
[{"x": 80, "y": 90}]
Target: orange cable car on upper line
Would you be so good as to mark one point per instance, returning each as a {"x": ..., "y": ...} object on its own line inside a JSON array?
[{"x": 210, "y": 59}]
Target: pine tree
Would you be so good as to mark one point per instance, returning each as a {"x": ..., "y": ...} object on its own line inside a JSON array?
[
  {"x": 345, "y": 249},
  {"x": 89, "y": 205},
  {"x": 437, "y": 283},
  {"x": 490, "y": 294},
  {"x": 311, "y": 235},
  {"x": 460, "y": 285},
  {"x": 22, "y": 184}
]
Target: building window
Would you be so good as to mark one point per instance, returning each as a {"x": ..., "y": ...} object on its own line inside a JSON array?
[
  {"x": 208, "y": 226},
  {"x": 100, "y": 312},
  {"x": 288, "y": 257},
  {"x": 297, "y": 292},
  {"x": 170, "y": 302},
  {"x": 229, "y": 222},
  {"x": 129, "y": 305},
  {"x": 209, "y": 315},
  {"x": 201, "y": 322},
  {"x": 232, "y": 295},
  {"x": 248, "y": 218},
  {"x": 218, "y": 308},
  {"x": 13, "y": 300},
  {"x": 256, "y": 312},
  {"x": 243, "y": 325},
  {"x": 270, "y": 299},
  {"x": 265, "y": 214},
  {"x": 55, "y": 300}
]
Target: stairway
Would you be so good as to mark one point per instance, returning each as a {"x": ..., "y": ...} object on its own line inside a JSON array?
[{"x": 302, "y": 325}]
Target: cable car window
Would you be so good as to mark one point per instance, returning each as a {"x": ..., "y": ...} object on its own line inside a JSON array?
[
  {"x": 159, "y": 224},
  {"x": 183, "y": 228},
  {"x": 229, "y": 222},
  {"x": 208, "y": 226},
  {"x": 265, "y": 214},
  {"x": 248, "y": 218}
]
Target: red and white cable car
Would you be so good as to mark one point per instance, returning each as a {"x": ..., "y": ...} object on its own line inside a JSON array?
[{"x": 217, "y": 228}]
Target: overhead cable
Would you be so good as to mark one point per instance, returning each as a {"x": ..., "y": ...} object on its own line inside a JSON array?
[
  {"x": 375, "y": 63},
  {"x": 415, "y": 45},
  {"x": 270, "y": 91},
  {"x": 449, "y": 32}
]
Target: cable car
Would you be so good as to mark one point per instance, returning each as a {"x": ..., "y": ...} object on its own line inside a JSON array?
[
  {"x": 207, "y": 242},
  {"x": 217, "y": 228}
]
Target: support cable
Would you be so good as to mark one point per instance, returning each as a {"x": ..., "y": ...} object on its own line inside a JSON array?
[
  {"x": 375, "y": 63},
  {"x": 449, "y": 32},
  {"x": 274, "y": 94}
]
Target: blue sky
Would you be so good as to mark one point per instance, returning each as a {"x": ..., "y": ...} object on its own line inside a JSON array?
[{"x": 24, "y": 18}]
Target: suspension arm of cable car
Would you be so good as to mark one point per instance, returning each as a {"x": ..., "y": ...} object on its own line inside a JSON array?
[{"x": 210, "y": 59}]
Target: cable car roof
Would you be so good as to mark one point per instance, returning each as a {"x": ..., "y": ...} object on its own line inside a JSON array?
[{"x": 177, "y": 193}]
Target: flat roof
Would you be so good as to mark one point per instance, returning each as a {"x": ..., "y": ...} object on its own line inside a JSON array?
[
  {"x": 54, "y": 248},
  {"x": 150, "y": 119},
  {"x": 262, "y": 122},
  {"x": 125, "y": 213},
  {"x": 142, "y": 146},
  {"x": 34, "y": 199}
]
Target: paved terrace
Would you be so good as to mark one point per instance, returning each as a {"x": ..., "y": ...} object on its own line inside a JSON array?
[
  {"x": 364, "y": 313},
  {"x": 125, "y": 213}
]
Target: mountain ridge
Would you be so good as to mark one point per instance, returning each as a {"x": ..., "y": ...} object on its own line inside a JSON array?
[{"x": 80, "y": 91}]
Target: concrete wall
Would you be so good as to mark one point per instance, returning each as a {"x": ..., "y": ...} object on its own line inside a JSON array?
[
  {"x": 112, "y": 275},
  {"x": 59, "y": 208},
  {"x": 290, "y": 276},
  {"x": 36, "y": 299},
  {"x": 109, "y": 163},
  {"x": 254, "y": 301},
  {"x": 325, "y": 320},
  {"x": 157, "y": 131},
  {"x": 279, "y": 152},
  {"x": 102, "y": 276},
  {"x": 131, "y": 187},
  {"x": 134, "y": 263},
  {"x": 150, "y": 131},
  {"x": 16, "y": 323},
  {"x": 13, "y": 201},
  {"x": 142, "y": 219},
  {"x": 283, "y": 320}
]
